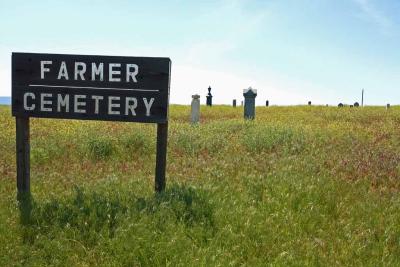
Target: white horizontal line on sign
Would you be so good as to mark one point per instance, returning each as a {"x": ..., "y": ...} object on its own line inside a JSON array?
[{"x": 89, "y": 87}]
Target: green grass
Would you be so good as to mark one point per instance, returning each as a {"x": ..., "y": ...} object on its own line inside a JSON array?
[{"x": 299, "y": 186}]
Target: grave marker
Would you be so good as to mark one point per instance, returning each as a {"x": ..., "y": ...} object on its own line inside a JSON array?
[
  {"x": 195, "y": 114},
  {"x": 362, "y": 97},
  {"x": 209, "y": 97},
  {"x": 249, "y": 103}
]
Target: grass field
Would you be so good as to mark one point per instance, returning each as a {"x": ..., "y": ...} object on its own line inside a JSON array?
[{"x": 299, "y": 186}]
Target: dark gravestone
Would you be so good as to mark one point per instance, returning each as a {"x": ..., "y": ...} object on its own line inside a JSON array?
[
  {"x": 340, "y": 105},
  {"x": 267, "y": 103},
  {"x": 234, "y": 103},
  {"x": 356, "y": 105},
  {"x": 387, "y": 106},
  {"x": 209, "y": 97},
  {"x": 309, "y": 103},
  {"x": 249, "y": 103}
]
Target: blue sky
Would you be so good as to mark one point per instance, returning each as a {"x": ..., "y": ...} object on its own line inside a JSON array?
[{"x": 292, "y": 51}]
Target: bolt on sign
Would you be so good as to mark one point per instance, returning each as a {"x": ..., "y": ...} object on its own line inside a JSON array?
[{"x": 110, "y": 88}]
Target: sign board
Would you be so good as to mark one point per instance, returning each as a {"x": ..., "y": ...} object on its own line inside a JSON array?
[
  {"x": 86, "y": 87},
  {"x": 133, "y": 89}
]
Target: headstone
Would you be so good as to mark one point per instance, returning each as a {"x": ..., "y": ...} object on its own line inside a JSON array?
[
  {"x": 356, "y": 105},
  {"x": 234, "y": 103},
  {"x": 267, "y": 103},
  {"x": 195, "y": 115},
  {"x": 340, "y": 105},
  {"x": 249, "y": 103},
  {"x": 387, "y": 106},
  {"x": 209, "y": 97},
  {"x": 362, "y": 97},
  {"x": 309, "y": 103}
]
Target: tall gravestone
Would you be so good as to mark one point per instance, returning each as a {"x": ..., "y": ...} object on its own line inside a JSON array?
[
  {"x": 209, "y": 97},
  {"x": 267, "y": 103},
  {"x": 234, "y": 103},
  {"x": 362, "y": 97},
  {"x": 309, "y": 103},
  {"x": 249, "y": 103},
  {"x": 195, "y": 115},
  {"x": 387, "y": 106}
]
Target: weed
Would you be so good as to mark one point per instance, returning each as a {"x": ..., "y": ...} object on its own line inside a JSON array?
[
  {"x": 189, "y": 205},
  {"x": 260, "y": 138},
  {"x": 138, "y": 142},
  {"x": 99, "y": 147}
]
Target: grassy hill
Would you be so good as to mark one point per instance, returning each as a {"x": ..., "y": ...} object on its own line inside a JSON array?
[{"x": 298, "y": 186}]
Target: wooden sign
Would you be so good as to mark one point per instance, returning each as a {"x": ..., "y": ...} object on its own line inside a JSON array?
[
  {"x": 132, "y": 89},
  {"x": 90, "y": 87}
]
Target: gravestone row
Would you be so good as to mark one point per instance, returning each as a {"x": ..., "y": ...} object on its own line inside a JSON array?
[{"x": 249, "y": 104}]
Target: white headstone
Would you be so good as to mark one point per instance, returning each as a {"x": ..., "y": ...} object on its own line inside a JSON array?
[{"x": 195, "y": 115}]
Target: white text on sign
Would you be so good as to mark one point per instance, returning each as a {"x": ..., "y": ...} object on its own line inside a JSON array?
[
  {"x": 117, "y": 72},
  {"x": 47, "y": 102}
]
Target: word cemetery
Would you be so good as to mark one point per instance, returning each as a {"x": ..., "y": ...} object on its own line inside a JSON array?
[
  {"x": 86, "y": 104},
  {"x": 132, "y": 89}
]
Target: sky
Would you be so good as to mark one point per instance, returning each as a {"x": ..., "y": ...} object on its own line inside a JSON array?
[{"x": 291, "y": 51}]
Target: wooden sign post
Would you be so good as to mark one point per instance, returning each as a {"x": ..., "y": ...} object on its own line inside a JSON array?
[{"x": 109, "y": 88}]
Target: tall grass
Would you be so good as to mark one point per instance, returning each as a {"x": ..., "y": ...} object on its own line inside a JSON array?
[{"x": 298, "y": 186}]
